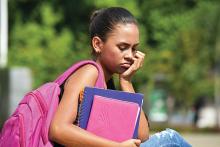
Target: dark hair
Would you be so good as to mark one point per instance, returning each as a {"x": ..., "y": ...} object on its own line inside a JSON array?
[
  {"x": 104, "y": 20},
  {"x": 111, "y": 84}
]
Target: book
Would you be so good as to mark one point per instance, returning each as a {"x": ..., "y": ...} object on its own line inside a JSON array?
[
  {"x": 111, "y": 114},
  {"x": 112, "y": 118}
]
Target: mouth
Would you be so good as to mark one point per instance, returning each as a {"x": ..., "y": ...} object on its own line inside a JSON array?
[{"x": 125, "y": 65}]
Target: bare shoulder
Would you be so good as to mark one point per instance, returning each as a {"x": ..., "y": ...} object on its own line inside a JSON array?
[
  {"x": 84, "y": 76},
  {"x": 89, "y": 69}
]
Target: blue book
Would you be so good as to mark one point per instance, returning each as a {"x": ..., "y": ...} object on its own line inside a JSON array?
[{"x": 122, "y": 100}]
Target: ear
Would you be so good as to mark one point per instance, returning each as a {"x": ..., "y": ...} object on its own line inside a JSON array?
[{"x": 97, "y": 44}]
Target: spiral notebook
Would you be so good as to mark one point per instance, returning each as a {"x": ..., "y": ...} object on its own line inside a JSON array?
[{"x": 110, "y": 114}]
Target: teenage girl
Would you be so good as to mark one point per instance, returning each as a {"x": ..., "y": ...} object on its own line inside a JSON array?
[{"x": 114, "y": 39}]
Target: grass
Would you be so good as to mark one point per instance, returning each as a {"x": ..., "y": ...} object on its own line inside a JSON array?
[{"x": 157, "y": 127}]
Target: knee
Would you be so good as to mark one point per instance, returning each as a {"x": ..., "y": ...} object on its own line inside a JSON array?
[{"x": 172, "y": 132}]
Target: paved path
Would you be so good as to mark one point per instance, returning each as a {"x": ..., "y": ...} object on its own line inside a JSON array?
[{"x": 203, "y": 140}]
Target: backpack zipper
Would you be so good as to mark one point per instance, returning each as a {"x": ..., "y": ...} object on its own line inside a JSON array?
[
  {"x": 40, "y": 101},
  {"x": 21, "y": 121}
]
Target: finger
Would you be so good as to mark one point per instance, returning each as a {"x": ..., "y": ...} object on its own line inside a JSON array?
[
  {"x": 136, "y": 64},
  {"x": 139, "y": 52},
  {"x": 137, "y": 142},
  {"x": 140, "y": 58},
  {"x": 132, "y": 69},
  {"x": 140, "y": 55}
]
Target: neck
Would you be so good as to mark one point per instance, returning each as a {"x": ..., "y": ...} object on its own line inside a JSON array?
[{"x": 107, "y": 74}]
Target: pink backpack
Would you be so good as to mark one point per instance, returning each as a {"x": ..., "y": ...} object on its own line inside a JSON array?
[{"x": 28, "y": 126}]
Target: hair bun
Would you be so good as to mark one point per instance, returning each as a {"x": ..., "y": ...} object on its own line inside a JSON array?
[{"x": 95, "y": 14}]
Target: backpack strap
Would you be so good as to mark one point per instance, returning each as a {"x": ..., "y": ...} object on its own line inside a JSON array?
[{"x": 74, "y": 67}]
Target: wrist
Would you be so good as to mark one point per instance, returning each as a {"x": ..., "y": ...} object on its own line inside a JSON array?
[
  {"x": 125, "y": 82},
  {"x": 124, "y": 79},
  {"x": 126, "y": 85}
]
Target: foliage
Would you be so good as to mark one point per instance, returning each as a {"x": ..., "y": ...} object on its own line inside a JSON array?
[
  {"x": 178, "y": 38},
  {"x": 40, "y": 47},
  {"x": 182, "y": 44}
]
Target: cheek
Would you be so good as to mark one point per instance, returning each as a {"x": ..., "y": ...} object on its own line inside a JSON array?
[
  {"x": 112, "y": 54},
  {"x": 114, "y": 57}
]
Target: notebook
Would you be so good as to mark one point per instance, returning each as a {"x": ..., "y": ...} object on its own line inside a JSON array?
[
  {"x": 113, "y": 119},
  {"x": 110, "y": 114}
]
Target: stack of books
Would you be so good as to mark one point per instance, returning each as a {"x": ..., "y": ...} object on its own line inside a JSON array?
[{"x": 111, "y": 114}]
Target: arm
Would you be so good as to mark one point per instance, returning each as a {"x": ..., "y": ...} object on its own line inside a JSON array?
[
  {"x": 62, "y": 129},
  {"x": 126, "y": 85}
]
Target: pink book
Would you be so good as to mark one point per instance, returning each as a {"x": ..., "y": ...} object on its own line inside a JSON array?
[{"x": 112, "y": 118}]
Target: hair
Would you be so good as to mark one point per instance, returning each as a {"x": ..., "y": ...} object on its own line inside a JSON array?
[{"x": 104, "y": 20}]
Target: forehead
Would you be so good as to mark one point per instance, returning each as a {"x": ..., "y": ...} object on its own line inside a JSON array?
[{"x": 125, "y": 33}]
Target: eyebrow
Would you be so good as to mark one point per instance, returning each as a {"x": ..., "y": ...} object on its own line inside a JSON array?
[{"x": 125, "y": 43}]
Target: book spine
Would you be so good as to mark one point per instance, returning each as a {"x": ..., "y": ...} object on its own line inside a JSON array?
[
  {"x": 81, "y": 107},
  {"x": 79, "y": 111}
]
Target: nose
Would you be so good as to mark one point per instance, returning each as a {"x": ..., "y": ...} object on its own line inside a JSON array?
[{"x": 129, "y": 54}]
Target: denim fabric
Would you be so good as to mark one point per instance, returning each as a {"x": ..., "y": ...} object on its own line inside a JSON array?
[{"x": 166, "y": 138}]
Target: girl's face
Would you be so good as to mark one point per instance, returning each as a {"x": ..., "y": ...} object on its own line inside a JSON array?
[{"x": 118, "y": 51}]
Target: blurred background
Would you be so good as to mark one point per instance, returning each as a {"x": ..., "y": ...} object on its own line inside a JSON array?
[{"x": 180, "y": 77}]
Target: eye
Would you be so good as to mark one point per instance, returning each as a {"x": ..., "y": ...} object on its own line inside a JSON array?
[
  {"x": 134, "y": 49},
  {"x": 123, "y": 47}
]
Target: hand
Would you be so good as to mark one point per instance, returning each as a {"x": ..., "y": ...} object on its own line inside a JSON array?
[
  {"x": 131, "y": 143},
  {"x": 138, "y": 62}
]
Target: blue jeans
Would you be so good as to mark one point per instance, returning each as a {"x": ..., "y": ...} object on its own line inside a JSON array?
[{"x": 166, "y": 138}]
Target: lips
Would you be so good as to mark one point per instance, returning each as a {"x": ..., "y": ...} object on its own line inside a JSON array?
[{"x": 125, "y": 65}]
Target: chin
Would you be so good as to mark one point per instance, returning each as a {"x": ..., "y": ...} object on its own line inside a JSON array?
[{"x": 122, "y": 70}]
